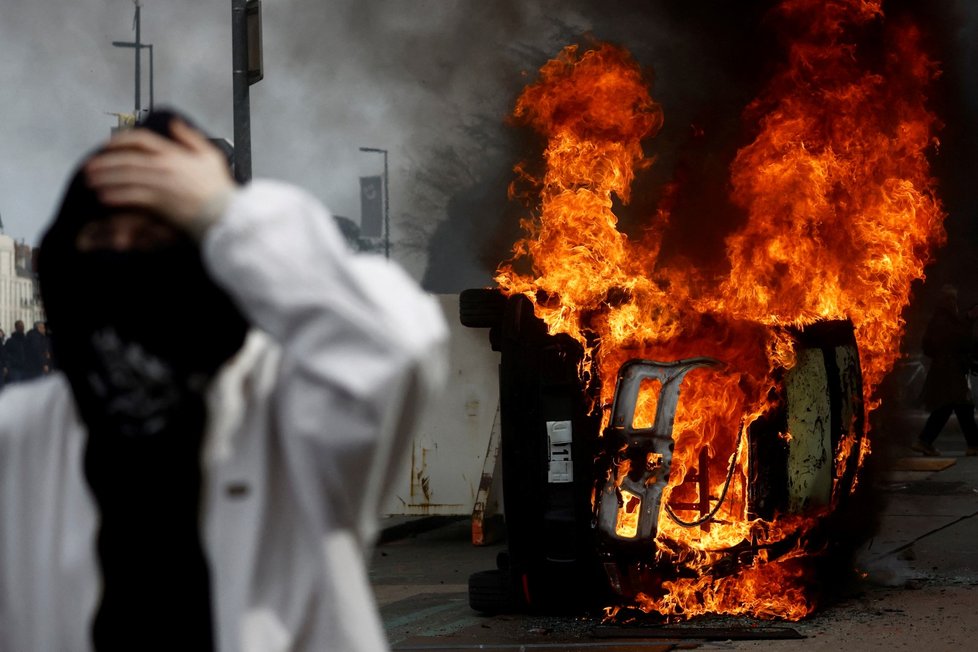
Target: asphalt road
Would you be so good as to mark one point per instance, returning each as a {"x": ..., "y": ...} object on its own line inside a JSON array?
[{"x": 920, "y": 590}]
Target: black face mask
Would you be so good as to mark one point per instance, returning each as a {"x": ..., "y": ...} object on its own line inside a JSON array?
[{"x": 136, "y": 330}]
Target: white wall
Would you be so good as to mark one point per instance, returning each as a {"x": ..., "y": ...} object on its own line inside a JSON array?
[{"x": 442, "y": 472}]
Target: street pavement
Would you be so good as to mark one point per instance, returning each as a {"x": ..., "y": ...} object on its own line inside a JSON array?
[{"x": 919, "y": 588}]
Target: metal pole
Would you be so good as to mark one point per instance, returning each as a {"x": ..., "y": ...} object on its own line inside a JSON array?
[
  {"x": 150, "y": 46},
  {"x": 387, "y": 216},
  {"x": 242, "y": 98},
  {"x": 139, "y": 55},
  {"x": 124, "y": 44}
]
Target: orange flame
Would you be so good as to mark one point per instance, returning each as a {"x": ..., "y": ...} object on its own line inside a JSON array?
[{"x": 842, "y": 217}]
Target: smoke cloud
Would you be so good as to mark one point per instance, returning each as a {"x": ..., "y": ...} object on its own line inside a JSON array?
[
  {"x": 339, "y": 75},
  {"x": 433, "y": 82}
]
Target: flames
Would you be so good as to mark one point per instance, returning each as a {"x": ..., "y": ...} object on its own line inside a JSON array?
[
  {"x": 841, "y": 217},
  {"x": 837, "y": 182}
]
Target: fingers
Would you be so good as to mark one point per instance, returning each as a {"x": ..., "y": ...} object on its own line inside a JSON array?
[
  {"x": 140, "y": 140},
  {"x": 126, "y": 180},
  {"x": 149, "y": 142},
  {"x": 139, "y": 150},
  {"x": 175, "y": 179},
  {"x": 104, "y": 166},
  {"x": 130, "y": 196},
  {"x": 188, "y": 136},
  {"x": 124, "y": 175}
]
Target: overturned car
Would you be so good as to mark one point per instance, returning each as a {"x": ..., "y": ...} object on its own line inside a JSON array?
[{"x": 607, "y": 505}]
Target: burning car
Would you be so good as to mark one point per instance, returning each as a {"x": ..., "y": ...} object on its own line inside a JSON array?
[
  {"x": 601, "y": 516},
  {"x": 682, "y": 444}
]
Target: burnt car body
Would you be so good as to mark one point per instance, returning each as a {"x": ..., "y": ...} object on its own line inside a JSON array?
[{"x": 566, "y": 549}]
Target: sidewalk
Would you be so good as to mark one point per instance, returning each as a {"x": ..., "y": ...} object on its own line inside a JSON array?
[{"x": 920, "y": 589}]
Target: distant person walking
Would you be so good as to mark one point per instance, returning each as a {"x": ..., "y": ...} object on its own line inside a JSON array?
[
  {"x": 15, "y": 349},
  {"x": 38, "y": 358},
  {"x": 3, "y": 359},
  {"x": 948, "y": 343}
]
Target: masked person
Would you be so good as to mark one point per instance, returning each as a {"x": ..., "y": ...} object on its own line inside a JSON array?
[{"x": 217, "y": 490}]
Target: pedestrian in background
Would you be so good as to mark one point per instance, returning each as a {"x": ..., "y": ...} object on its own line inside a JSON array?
[
  {"x": 38, "y": 352},
  {"x": 218, "y": 491},
  {"x": 3, "y": 359},
  {"x": 15, "y": 349},
  {"x": 948, "y": 343},
  {"x": 972, "y": 315}
]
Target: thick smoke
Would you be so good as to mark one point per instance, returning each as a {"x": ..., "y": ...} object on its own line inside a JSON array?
[
  {"x": 707, "y": 62},
  {"x": 409, "y": 77},
  {"x": 433, "y": 83},
  {"x": 695, "y": 59}
]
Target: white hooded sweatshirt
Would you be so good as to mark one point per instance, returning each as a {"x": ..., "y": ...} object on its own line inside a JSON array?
[{"x": 305, "y": 425}]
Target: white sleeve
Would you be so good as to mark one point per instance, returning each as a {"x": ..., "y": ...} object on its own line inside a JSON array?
[{"x": 364, "y": 349}]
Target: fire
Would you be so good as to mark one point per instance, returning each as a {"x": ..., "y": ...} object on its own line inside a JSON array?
[
  {"x": 837, "y": 181},
  {"x": 763, "y": 589},
  {"x": 626, "y": 523},
  {"x": 841, "y": 218}
]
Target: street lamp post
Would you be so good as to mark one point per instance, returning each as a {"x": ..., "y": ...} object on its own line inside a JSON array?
[
  {"x": 138, "y": 57},
  {"x": 137, "y": 46},
  {"x": 240, "y": 91},
  {"x": 148, "y": 46},
  {"x": 246, "y": 69},
  {"x": 387, "y": 219}
]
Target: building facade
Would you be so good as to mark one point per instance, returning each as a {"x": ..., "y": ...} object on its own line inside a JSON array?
[{"x": 20, "y": 296}]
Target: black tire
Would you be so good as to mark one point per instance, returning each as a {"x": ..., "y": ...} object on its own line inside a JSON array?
[
  {"x": 491, "y": 592},
  {"x": 481, "y": 307}
]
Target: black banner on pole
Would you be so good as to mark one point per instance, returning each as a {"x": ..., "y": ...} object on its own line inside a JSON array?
[{"x": 371, "y": 207}]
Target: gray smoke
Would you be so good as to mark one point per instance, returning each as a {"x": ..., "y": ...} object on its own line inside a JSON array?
[
  {"x": 339, "y": 75},
  {"x": 431, "y": 81}
]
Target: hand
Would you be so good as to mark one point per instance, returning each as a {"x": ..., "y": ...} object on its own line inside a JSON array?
[{"x": 184, "y": 181}]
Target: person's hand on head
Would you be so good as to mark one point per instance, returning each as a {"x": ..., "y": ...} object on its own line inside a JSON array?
[{"x": 185, "y": 181}]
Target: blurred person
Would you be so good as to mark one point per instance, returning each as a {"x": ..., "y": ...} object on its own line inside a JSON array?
[
  {"x": 15, "y": 351},
  {"x": 3, "y": 359},
  {"x": 948, "y": 343},
  {"x": 972, "y": 315},
  {"x": 218, "y": 490},
  {"x": 38, "y": 352}
]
